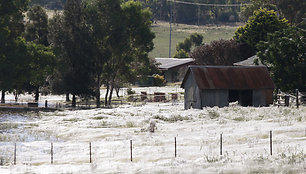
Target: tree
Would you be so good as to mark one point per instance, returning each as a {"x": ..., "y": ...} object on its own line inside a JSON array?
[
  {"x": 36, "y": 31},
  {"x": 37, "y": 26},
  {"x": 15, "y": 66},
  {"x": 181, "y": 54},
  {"x": 258, "y": 26},
  {"x": 128, "y": 61},
  {"x": 183, "y": 49},
  {"x": 292, "y": 10},
  {"x": 41, "y": 66},
  {"x": 109, "y": 38},
  {"x": 284, "y": 53},
  {"x": 11, "y": 27},
  {"x": 77, "y": 50},
  {"x": 221, "y": 52},
  {"x": 196, "y": 39},
  {"x": 185, "y": 45},
  {"x": 248, "y": 10}
]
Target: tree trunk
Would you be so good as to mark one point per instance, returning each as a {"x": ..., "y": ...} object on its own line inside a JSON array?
[
  {"x": 37, "y": 95},
  {"x": 16, "y": 96},
  {"x": 110, "y": 96},
  {"x": 106, "y": 94},
  {"x": 98, "y": 102},
  {"x": 117, "y": 89},
  {"x": 3, "y": 97},
  {"x": 73, "y": 101},
  {"x": 67, "y": 97}
]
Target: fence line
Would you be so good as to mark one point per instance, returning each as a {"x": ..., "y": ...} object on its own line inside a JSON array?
[{"x": 131, "y": 149}]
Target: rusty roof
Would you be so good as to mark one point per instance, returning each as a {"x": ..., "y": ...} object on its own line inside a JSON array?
[{"x": 230, "y": 77}]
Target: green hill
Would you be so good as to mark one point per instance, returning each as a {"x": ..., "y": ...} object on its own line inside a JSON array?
[{"x": 182, "y": 31}]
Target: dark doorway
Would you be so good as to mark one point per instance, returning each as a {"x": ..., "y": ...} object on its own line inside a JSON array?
[
  {"x": 233, "y": 95},
  {"x": 244, "y": 97}
]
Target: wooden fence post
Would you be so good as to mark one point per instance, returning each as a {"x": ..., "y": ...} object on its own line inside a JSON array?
[
  {"x": 51, "y": 153},
  {"x": 220, "y": 144},
  {"x": 297, "y": 98},
  {"x": 131, "y": 149},
  {"x": 90, "y": 152},
  {"x": 15, "y": 153},
  {"x": 270, "y": 142},
  {"x": 175, "y": 147}
]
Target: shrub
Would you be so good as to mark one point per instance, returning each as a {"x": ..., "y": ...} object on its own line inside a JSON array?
[{"x": 159, "y": 80}]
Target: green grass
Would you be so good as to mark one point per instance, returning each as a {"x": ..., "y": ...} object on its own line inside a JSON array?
[{"x": 182, "y": 31}]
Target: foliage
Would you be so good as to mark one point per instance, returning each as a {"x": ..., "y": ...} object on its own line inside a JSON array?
[
  {"x": 248, "y": 10},
  {"x": 258, "y": 26},
  {"x": 13, "y": 57},
  {"x": 15, "y": 66},
  {"x": 37, "y": 26},
  {"x": 181, "y": 54},
  {"x": 284, "y": 52},
  {"x": 180, "y": 32},
  {"x": 71, "y": 37},
  {"x": 196, "y": 39},
  {"x": 101, "y": 42},
  {"x": 185, "y": 45},
  {"x": 50, "y": 4},
  {"x": 293, "y": 10},
  {"x": 183, "y": 48},
  {"x": 221, "y": 52},
  {"x": 130, "y": 91},
  {"x": 159, "y": 80},
  {"x": 41, "y": 66}
]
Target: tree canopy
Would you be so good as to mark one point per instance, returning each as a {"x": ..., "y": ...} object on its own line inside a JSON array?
[
  {"x": 284, "y": 53},
  {"x": 258, "y": 26},
  {"x": 221, "y": 52}
]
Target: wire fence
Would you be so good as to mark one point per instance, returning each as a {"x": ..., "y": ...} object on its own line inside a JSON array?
[
  {"x": 132, "y": 99},
  {"x": 38, "y": 153}
]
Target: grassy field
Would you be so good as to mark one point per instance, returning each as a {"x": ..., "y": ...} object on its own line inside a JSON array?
[{"x": 182, "y": 31}]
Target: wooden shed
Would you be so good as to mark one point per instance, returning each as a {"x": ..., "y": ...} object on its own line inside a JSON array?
[
  {"x": 174, "y": 69},
  {"x": 219, "y": 85}
]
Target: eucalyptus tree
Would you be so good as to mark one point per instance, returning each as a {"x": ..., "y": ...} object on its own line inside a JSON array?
[
  {"x": 11, "y": 27},
  {"x": 36, "y": 32},
  {"x": 122, "y": 39},
  {"x": 37, "y": 25},
  {"x": 71, "y": 37}
]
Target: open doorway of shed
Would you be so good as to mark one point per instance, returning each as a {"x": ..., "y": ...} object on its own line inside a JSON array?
[{"x": 244, "y": 97}]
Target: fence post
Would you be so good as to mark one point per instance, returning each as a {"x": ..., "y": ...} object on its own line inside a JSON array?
[
  {"x": 278, "y": 97},
  {"x": 46, "y": 104},
  {"x": 15, "y": 153},
  {"x": 270, "y": 142},
  {"x": 51, "y": 153},
  {"x": 90, "y": 152},
  {"x": 297, "y": 98},
  {"x": 131, "y": 149},
  {"x": 175, "y": 147},
  {"x": 220, "y": 144}
]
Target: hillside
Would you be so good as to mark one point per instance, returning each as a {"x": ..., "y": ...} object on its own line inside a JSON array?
[{"x": 181, "y": 31}]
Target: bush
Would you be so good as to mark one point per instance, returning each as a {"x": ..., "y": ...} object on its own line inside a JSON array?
[
  {"x": 159, "y": 80},
  {"x": 221, "y": 52},
  {"x": 130, "y": 91}
]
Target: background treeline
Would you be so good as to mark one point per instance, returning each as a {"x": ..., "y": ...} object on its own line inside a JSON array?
[
  {"x": 89, "y": 44},
  {"x": 181, "y": 13}
]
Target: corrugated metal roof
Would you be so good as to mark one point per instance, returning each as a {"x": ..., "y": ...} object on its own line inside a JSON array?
[
  {"x": 167, "y": 63},
  {"x": 249, "y": 62},
  {"x": 230, "y": 77}
]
